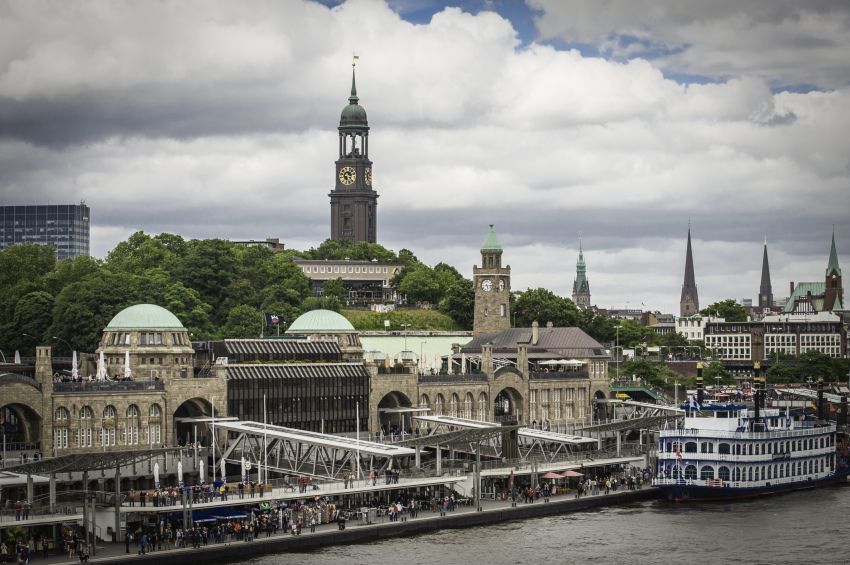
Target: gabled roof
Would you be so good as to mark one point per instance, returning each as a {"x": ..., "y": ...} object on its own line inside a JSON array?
[
  {"x": 560, "y": 342},
  {"x": 817, "y": 290}
]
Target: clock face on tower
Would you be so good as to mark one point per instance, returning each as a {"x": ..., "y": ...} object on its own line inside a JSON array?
[
  {"x": 347, "y": 175},
  {"x": 368, "y": 176},
  {"x": 487, "y": 285}
]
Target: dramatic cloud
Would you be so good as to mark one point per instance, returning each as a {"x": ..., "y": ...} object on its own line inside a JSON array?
[{"x": 218, "y": 120}]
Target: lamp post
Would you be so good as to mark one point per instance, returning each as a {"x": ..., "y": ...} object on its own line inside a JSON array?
[
  {"x": 421, "y": 359},
  {"x": 71, "y": 349},
  {"x": 617, "y": 359},
  {"x": 404, "y": 331}
]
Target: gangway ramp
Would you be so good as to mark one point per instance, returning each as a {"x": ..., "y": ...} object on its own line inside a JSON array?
[{"x": 302, "y": 452}]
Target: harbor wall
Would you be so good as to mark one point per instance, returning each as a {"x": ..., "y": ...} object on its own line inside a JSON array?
[{"x": 427, "y": 522}]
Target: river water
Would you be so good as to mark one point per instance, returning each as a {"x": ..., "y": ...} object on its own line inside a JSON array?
[{"x": 801, "y": 528}]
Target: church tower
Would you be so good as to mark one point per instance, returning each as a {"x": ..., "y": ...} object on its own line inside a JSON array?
[
  {"x": 765, "y": 290},
  {"x": 833, "y": 298},
  {"x": 689, "y": 303},
  {"x": 581, "y": 286},
  {"x": 354, "y": 204},
  {"x": 492, "y": 289}
]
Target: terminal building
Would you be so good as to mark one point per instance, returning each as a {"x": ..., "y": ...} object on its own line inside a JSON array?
[{"x": 367, "y": 282}]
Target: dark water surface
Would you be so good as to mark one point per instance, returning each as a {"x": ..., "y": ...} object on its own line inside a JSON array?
[{"x": 800, "y": 528}]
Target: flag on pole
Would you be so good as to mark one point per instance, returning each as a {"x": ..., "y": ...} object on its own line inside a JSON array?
[
  {"x": 694, "y": 405},
  {"x": 273, "y": 319}
]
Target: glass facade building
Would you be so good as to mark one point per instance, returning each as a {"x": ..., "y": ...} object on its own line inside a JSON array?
[{"x": 65, "y": 227}]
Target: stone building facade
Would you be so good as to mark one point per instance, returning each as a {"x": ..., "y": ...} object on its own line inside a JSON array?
[{"x": 492, "y": 288}]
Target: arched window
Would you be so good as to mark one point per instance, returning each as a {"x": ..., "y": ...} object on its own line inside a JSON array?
[
  {"x": 723, "y": 449},
  {"x": 154, "y": 424},
  {"x": 691, "y": 447},
  {"x": 453, "y": 403},
  {"x": 706, "y": 447},
  {"x": 424, "y": 402},
  {"x": 750, "y": 474},
  {"x": 131, "y": 426},
  {"x": 723, "y": 473},
  {"x": 482, "y": 407},
  {"x": 84, "y": 434},
  {"x": 107, "y": 427},
  {"x": 691, "y": 472},
  {"x": 677, "y": 472},
  {"x": 707, "y": 472},
  {"x": 467, "y": 406},
  {"x": 737, "y": 473},
  {"x": 438, "y": 405},
  {"x": 61, "y": 420}
]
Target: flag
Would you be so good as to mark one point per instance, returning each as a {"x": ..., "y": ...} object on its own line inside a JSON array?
[
  {"x": 273, "y": 319},
  {"x": 678, "y": 453},
  {"x": 694, "y": 405}
]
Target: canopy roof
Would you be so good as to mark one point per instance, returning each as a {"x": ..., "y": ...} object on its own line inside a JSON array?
[{"x": 320, "y": 321}]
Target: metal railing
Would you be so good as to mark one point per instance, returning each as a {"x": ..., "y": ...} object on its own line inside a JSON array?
[
  {"x": 544, "y": 375},
  {"x": 108, "y": 386}
]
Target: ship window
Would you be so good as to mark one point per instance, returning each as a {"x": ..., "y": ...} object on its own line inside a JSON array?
[
  {"x": 737, "y": 474},
  {"x": 691, "y": 471},
  {"x": 750, "y": 474},
  {"x": 781, "y": 471},
  {"x": 677, "y": 472},
  {"x": 723, "y": 472},
  {"x": 738, "y": 449},
  {"x": 758, "y": 449},
  {"x": 723, "y": 449},
  {"x": 691, "y": 447},
  {"x": 769, "y": 472},
  {"x": 706, "y": 472},
  {"x": 706, "y": 447}
]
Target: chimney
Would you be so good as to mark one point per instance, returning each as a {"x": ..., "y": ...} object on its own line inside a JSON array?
[
  {"x": 792, "y": 289},
  {"x": 535, "y": 332},
  {"x": 700, "y": 391}
]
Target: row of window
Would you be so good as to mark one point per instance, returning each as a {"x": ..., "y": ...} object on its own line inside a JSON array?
[
  {"x": 456, "y": 409},
  {"x": 338, "y": 269},
  {"x": 83, "y": 435},
  {"x": 146, "y": 338},
  {"x": 750, "y": 448},
  {"x": 754, "y": 472}
]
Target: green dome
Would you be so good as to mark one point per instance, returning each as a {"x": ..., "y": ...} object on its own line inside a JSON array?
[
  {"x": 320, "y": 321},
  {"x": 353, "y": 115},
  {"x": 144, "y": 316}
]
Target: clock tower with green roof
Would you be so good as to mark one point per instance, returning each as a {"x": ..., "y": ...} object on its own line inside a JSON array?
[
  {"x": 492, "y": 288},
  {"x": 354, "y": 203}
]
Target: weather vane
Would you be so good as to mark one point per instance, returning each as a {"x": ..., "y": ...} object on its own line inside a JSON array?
[{"x": 354, "y": 58}]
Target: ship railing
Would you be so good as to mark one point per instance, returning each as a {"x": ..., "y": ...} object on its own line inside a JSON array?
[
  {"x": 793, "y": 433},
  {"x": 763, "y": 457}
]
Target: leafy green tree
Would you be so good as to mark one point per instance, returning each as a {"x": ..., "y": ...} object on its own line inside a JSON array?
[
  {"x": 420, "y": 284},
  {"x": 25, "y": 262},
  {"x": 406, "y": 257},
  {"x": 600, "y": 328},
  {"x": 632, "y": 333},
  {"x": 141, "y": 253},
  {"x": 727, "y": 309},
  {"x": 459, "y": 302},
  {"x": 321, "y": 303},
  {"x": 338, "y": 249},
  {"x": 716, "y": 369},
  {"x": 70, "y": 271},
  {"x": 544, "y": 306},
  {"x": 209, "y": 267},
  {"x": 243, "y": 322},
  {"x": 335, "y": 288},
  {"x": 186, "y": 304}
]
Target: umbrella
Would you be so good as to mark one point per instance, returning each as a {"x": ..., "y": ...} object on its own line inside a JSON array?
[
  {"x": 101, "y": 368},
  {"x": 552, "y": 475},
  {"x": 180, "y": 473},
  {"x": 553, "y": 362},
  {"x": 156, "y": 475},
  {"x": 201, "y": 471},
  {"x": 223, "y": 474},
  {"x": 17, "y": 357},
  {"x": 128, "y": 374},
  {"x": 571, "y": 473},
  {"x": 75, "y": 373}
]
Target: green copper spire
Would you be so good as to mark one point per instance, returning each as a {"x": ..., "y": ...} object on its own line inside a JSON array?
[
  {"x": 581, "y": 285},
  {"x": 353, "y": 98},
  {"x": 491, "y": 243},
  {"x": 833, "y": 267}
]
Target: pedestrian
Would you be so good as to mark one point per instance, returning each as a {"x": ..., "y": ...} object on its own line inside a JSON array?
[
  {"x": 142, "y": 498},
  {"x": 241, "y": 490},
  {"x": 128, "y": 537}
]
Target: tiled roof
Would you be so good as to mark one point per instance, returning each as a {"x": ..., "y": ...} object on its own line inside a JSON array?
[
  {"x": 563, "y": 342},
  {"x": 282, "y": 347}
]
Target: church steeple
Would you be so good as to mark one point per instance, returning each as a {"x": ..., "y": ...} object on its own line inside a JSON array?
[
  {"x": 765, "y": 289},
  {"x": 354, "y": 204},
  {"x": 581, "y": 286},
  {"x": 689, "y": 302},
  {"x": 833, "y": 298}
]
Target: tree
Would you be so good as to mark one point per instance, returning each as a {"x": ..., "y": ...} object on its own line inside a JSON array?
[
  {"x": 209, "y": 267},
  {"x": 420, "y": 284},
  {"x": 459, "y": 303},
  {"x": 336, "y": 288},
  {"x": 321, "y": 303},
  {"x": 141, "y": 253},
  {"x": 25, "y": 262},
  {"x": 338, "y": 249},
  {"x": 727, "y": 309},
  {"x": 600, "y": 328},
  {"x": 544, "y": 306},
  {"x": 632, "y": 333},
  {"x": 243, "y": 322},
  {"x": 714, "y": 370}
]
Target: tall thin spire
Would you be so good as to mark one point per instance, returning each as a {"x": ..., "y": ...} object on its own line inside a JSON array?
[
  {"x": 765, "y": 289},
  {"x": 689, "y": 303},
  {"x": 581, "y": 286},
  {"x": 832, "y": 266}
]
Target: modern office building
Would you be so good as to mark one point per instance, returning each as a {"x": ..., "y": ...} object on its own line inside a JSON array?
[
  {"x": 367, "y": 282},
  {"x": 65, "y": 227}
]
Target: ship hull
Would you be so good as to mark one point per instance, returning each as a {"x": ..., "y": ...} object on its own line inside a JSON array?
[{"x": 698, "y": 493}]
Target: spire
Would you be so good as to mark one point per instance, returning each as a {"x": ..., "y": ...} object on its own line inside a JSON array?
[
  {"x": 353, "y": 98},
  {"x": 689, "y": 303},
  {"x": 491, "y": 242},
  {"x": 765, "y": 289},
  {"x": 832, "y": 266},
  {"x": 581, "y": 286}
]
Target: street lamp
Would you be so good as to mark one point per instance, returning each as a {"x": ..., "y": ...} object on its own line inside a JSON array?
[
  {"x": 404, "y": 330},
  {"x": 421, "y": 359},
  {"x": 617, "y": 359},
  {"x": 65, "y": 342}
]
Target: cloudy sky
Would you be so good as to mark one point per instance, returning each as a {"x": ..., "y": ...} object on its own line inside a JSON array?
[{"x": 616, "y": 121}]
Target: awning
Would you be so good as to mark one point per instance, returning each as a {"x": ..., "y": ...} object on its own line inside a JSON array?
[{"x": 227, "y": 514}]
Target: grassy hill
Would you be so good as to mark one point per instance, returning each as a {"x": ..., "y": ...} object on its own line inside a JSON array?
[{"x": 429, "y": 320}]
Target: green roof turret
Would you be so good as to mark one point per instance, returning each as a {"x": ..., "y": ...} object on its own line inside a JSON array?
[
  {"x": 491, "y": 243},
  {"x": 833, "y": 267}
]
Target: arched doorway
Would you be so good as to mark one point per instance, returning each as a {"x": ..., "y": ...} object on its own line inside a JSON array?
[
  {"x": 184, "y": 431},
  {"x": 599, "y": 409},
  {"x": 390, "y": 419},
  {"x": 20, "y": 426},
  {"x": 507, "y": 406}
]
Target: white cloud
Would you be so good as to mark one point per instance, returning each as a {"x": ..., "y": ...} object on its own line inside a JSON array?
[{"x": 214, "y": 119}]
